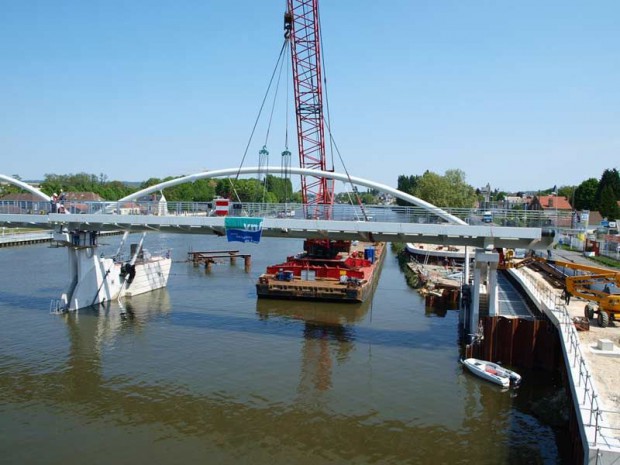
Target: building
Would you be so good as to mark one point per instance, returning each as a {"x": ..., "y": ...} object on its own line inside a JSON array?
[
  {"x": 74, "y": 202},
  {"x": 557, "y": 209}
]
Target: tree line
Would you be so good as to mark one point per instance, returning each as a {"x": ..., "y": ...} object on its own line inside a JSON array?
[
  {"x": 451, "y": 190},
  {"x": 447, "y": 190},
  {"x": 272, "y": 189}
]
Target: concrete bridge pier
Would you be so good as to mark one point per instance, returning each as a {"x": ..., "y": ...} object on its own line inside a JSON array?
[
  {"x": 92, "y": 279},
  {"x": 485, "y": 283}
]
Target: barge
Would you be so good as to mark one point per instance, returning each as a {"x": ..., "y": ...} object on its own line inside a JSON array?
[{"x": 327, "y": 270}]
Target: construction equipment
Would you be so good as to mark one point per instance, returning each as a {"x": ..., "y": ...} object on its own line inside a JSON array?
[
  {"x": 600, "y": 286},
  {"x": 302, "y": 29}
]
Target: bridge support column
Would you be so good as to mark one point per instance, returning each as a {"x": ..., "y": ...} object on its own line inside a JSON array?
[
  {"x": 92, "y": 279},
  {"x": 466, "y": 266},
  {"x": 485, "y": 274},
  {"x": 492, "y": 287},
  {"x": 474, "y": 310}
]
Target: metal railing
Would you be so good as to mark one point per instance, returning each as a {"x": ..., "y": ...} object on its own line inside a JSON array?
[
  {"x": 379, "y": 213},
  {"x": 589, "y": 401}
]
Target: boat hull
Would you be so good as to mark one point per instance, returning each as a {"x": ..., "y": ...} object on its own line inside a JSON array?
[
  {"x": 94, "y": 279},
  {"x": 150, "y": 275},
  {"x": 492, "y": 372}
]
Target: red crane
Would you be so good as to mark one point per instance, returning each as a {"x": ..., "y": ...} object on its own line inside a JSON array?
[{"x": 301, "y": 25}]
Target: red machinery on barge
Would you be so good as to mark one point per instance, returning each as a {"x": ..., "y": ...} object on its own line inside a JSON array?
[
  {"x": 335, "y": 271},
  {"x": 329, "y": 270}
]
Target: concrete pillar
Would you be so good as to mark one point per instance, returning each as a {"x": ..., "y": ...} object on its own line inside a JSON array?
[
  {"x": 492, "y": 290},
  {"x": 466, "y": 267},
  {"x": 485, "y": 269},
  {"x": 474, "y": 311}
]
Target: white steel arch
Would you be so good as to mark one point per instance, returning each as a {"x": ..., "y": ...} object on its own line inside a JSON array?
[
  {"x": 304, "y": 172},
  {"x": 27, "y": 187}
]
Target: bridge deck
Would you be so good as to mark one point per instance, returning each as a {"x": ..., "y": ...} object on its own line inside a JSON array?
[{"x": 440, "y": 233}]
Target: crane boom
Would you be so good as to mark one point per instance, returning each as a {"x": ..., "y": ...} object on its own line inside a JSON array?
[
  {"x": 597, "y": 285},
  {"x": 301, "y": 24}
]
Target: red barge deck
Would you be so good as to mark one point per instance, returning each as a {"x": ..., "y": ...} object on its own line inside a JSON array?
[{"x": 335, "y": 271}]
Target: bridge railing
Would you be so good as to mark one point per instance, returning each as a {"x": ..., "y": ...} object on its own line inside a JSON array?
[
  {"x": 601, "y": 424},
  {"x": 382, "y": 213}
]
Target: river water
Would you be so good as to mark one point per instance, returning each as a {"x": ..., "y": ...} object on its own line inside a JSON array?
[{"x": 202, "y": 372}]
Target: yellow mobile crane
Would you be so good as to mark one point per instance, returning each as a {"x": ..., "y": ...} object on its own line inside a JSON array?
[{"x": 598, "y": 285}]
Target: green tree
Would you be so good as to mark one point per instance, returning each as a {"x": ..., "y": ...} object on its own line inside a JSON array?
[
  {"x": 585, "y": 195},
  {"x": 6, "y": 189},
  {"x": 449, "y": 190},
  {"x": 406, "y": 184},
  {"x": 459, "y": 194},
  {"x": 282, "y": 188},
  {"x": 611, "y": 179},
  {"x": 567, "y": 191},
  {"x": 84, "y": 182},
  {"x": 368, "y": 198},
  {"x": 150, "y": 182},
  {"x": 608, "y": 205}
]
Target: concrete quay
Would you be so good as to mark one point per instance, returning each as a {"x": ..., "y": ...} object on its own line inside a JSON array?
[
  {"x": 593, "y": 374},
  {"x": 12, "y": 240},
  {"x": 18, "y": 239}
]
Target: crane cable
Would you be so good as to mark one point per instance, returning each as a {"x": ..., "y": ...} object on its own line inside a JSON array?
[
  {"x": 286, "y": 174},
  {"x": 258, "y": 117},
  {"x": 273, "y": 105},
  {"x": 332, "y": 141}
]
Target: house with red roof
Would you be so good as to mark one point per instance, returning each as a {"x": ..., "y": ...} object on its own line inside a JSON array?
[{"x": 557, "y": 208}]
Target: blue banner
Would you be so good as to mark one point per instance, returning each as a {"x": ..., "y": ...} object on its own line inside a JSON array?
[{"x": 243, "y": 229}]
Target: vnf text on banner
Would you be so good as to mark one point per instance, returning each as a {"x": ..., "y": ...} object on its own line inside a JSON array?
[{"x": 243, "y": 229}]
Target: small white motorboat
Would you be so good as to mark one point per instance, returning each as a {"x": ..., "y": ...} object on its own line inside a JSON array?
[{"x": 492, "y": 372}]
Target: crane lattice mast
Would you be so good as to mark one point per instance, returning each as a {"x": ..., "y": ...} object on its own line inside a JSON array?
[{"x": 301, "y": 23}]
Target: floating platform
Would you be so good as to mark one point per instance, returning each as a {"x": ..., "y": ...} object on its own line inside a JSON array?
[{"x": 348, "y": 276}]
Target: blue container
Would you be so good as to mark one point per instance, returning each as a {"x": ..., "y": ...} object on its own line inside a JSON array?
[{"x": 369, "y": 254}]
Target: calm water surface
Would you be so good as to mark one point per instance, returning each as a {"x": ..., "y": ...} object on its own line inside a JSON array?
[{"x": 202, "y": 372}]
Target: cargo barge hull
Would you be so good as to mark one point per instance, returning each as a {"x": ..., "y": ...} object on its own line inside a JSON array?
[{"x": 348, "y": 276}]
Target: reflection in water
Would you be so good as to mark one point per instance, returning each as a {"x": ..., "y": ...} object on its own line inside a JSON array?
[
  {"x": 441, "y": 312},
  {"x": 138, "y": 310},
  {"x": 208, "y": 373},
  {"x": 324, "y": 313},
  {"x": 328, "y": 328}
]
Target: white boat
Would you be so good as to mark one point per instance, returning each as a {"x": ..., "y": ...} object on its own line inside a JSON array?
[
  {"x": 96, "y": 279},
  {"x": 492, "y": 372}
]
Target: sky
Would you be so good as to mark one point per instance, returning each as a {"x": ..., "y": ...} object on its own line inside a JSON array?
[{"x": 520, "y": 95}]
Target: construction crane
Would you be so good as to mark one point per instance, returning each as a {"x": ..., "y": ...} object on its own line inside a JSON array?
[
  {"x": 301, "y": 26},
  {"x": 600, "y": 286}
]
